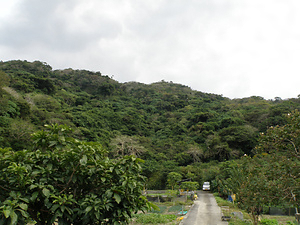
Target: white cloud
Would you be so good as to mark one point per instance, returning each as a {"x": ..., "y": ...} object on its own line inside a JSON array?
[{"x": 237, "y": 48}]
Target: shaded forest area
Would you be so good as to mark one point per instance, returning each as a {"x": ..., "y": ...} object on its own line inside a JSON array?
[{"x": 169, "y": 125}]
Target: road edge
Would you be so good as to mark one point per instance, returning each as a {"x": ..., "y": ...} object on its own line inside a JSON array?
[{"x": 186, "y": 215}]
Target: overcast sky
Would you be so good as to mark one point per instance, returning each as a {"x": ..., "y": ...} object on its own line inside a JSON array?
[{"x": 237, "y": 48}]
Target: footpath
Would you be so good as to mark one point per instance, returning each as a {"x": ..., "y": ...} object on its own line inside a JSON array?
[{"x": 205, "y": 211}]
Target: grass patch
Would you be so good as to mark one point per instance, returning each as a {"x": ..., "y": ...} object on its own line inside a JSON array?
[
  {"x": 155, "y": 218},
  {"x": 237, "y": 221},
  {"x": 281, "y": 219}
]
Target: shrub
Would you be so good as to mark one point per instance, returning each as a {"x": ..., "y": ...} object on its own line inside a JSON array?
[{"x": 69, "y": 181}]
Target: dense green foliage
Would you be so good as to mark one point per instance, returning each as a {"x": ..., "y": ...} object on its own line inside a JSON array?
[
  {"x": 272, "y": 176},
  {"x": 172, "y": 127},
  {"x": 67, "y": 181}
]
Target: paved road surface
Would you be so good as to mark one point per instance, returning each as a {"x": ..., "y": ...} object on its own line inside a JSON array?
[{"x": 205, "y": 211}]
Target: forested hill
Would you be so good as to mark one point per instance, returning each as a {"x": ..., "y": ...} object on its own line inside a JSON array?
[{"x": 167, "y": 124}]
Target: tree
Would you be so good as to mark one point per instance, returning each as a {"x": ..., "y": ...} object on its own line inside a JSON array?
[
  {"x": 173, "y": 179},
  {"x": 272, "y": 176},
  {"x": 284, "y": 140},
  {"x": 282, "y": 144},
  {"x": 4, "y": 81},
  {"x": 68, "y": 181},
  {"x": 217, "y": 149},
  {"x": 196, "y": 152},
  {"x": 242, "y": 138},
  {"x": 126, "y": 145},
  {"x": 18, "y": 133},
  {"x": 189, "y": 185},
  {"x": 248, "y": 180}
]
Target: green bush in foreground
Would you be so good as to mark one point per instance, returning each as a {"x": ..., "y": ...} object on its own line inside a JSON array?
[{"x": 68, "y": 181}]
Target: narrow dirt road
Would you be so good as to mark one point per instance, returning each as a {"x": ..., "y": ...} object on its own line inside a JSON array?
[{"x": 205, "y": 211}]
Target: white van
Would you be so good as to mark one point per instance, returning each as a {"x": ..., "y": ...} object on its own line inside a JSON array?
[{"x": 206, "y": 186}]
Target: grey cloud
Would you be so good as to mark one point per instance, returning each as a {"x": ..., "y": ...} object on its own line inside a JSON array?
[
  {"x": 42, "y": 23},
  {"x": 227, "y": 47}
]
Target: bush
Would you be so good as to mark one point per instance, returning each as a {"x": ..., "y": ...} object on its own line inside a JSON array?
[
  {"x": 46, "y": 102},
  {"x": 69, "y": 181}
]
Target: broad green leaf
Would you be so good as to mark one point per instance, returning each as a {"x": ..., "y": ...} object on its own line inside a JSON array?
[
  {"x": 34, "y": 196},
  {"x": 14, "y": 218},
  {"x": 32, "y": 186},
  {"x": 117, "y": 198},
  {"x": 25, "y": 200},
  {"x": 46, "y": 192},
  {"x": 23, "y": 206},
  {"x": 6, "y": 213},
  {"x": 89, "y": 208},
  {"x": 54, "y": 207},
  {"x": 24, "y": 214}
]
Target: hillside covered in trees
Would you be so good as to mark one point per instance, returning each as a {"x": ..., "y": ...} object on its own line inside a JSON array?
[{"x": 169, "y": 125}]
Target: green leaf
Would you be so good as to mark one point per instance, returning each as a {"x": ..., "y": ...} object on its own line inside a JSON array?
[
  {"x": 6, "y": 213},
  {"x": 23, "y": 206},
  {"x": 24, "y": 214},
  {"x": 89, "y": 208},
  {"x": 34, "y": 196},
  {"x": 117, "y": 198},
  {"x": 69, "y": 210},
  {"x": 54, "y": 207},
  {"x": 14, "y": 218},
  {"x": 32, "y": 186},
  {"x": 49, "y": 166},
  {"x": 46, "y": 192},
  {"x": 83, "y": 161},
  {"x": 25, "y": 200}
]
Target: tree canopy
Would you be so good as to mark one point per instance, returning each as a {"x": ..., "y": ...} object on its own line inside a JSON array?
[{"x": 68, "y": 181}]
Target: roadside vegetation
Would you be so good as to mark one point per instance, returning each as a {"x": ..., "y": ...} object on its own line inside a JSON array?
[
  {"x": 231, "y": 209},
  {"x": 169, "y": 212}
]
